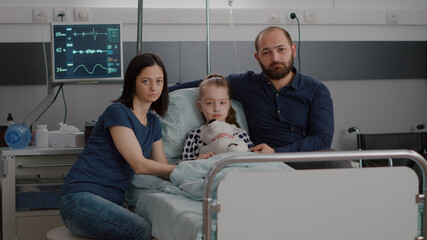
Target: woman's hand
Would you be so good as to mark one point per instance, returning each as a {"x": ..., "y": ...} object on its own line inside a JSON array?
[{"x": 205, "y": 155}]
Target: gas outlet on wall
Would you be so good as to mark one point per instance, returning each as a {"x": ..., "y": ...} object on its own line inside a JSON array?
[
  {"x": 81, "y": 14},
  {"x": 273, "y": 16},
  {"x": 310, "y": 16},
  {"x": 392, "y": 17},
  {"x": 40, "y": 15}
]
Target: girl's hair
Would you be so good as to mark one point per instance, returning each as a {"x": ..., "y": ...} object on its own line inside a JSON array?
[
  {"x": 219, "y": 81},
  {"x": 135, "y": 67}
]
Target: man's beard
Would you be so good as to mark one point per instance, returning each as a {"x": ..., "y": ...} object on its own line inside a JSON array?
[{"x": 278, "y": 73}]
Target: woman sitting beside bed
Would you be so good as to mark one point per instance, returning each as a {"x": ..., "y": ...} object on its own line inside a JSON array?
[
  {"x": 126, "y": 140},
  {"x": 214, "y": 103}
]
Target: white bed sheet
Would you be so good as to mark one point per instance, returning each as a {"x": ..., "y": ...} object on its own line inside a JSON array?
[{"x": 175, "y": 217}]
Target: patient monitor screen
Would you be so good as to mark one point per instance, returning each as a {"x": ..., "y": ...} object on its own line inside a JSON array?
[{"x": 86, "y": 52}]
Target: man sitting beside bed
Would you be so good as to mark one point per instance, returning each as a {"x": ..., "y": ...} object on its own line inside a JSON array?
[{"x": 286, "y": 111}]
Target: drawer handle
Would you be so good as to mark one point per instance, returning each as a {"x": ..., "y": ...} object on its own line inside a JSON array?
[{"x": 45, "y": 165}]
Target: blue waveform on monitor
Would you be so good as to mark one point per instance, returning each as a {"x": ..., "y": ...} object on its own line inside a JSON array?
[
  {"x": 93, "y": 33},
  {"x": 89, "y": 51},
  {"x": 93, "y": 69}
]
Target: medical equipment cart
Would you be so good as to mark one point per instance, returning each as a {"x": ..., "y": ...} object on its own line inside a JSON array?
[{"x": 28, "y": 175}]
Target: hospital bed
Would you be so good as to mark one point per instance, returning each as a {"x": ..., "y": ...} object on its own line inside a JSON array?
[{"x": 220, "y": 201}]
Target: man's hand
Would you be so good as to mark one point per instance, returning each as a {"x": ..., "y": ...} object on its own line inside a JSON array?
[
  {"x": 262, "y": 148},
  {"x": 205, "y": 155}
]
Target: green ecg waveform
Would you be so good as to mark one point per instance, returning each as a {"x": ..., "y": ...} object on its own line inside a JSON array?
[{"x": 93, "y": 33}]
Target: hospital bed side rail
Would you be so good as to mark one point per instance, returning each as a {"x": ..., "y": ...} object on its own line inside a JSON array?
[{"x": 305, "y": 157}]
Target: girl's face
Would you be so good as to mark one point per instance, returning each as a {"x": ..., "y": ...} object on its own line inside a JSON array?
[
  {"x": 214, "y": 103},
  {"x": 149, "y": 84}
]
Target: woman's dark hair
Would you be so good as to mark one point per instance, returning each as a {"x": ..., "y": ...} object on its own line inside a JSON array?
[
  {"x": 135, "y": 67},
  {"x": 219, "y": 81}
]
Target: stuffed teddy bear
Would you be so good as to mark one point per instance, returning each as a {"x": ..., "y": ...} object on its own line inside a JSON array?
[{"x": 218, "y": 137}]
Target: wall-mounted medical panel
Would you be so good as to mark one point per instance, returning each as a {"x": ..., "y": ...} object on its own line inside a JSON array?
[{"x": 23, "y": 63}]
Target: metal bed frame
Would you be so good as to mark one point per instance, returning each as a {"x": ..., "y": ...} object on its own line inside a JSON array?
[{"x": 209, "y": 205}]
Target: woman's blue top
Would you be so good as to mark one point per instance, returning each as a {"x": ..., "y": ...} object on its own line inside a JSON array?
[{"x": 101, "y": 169}]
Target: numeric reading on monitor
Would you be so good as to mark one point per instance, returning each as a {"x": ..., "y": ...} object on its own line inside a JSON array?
[{"x": 86, "y": 52}]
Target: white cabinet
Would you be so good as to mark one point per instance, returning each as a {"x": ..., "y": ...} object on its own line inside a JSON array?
[{"x": 32, "y": 169}]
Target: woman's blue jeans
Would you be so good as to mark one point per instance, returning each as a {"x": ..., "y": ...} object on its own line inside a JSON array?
[{"x": 89, "y": 215}]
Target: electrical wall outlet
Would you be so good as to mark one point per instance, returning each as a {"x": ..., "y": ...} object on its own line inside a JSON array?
[
  {"x": 40, "y": 15},
  {"x": 81, "y": 14},
  {"x": 61, "y": 14},
  {"x": 310, "y": 16}
]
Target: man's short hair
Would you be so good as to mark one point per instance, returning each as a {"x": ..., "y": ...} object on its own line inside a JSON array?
[{"x": 271, "y": 28}]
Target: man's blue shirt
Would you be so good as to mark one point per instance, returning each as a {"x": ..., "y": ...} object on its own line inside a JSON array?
[{"x": 298, "y": 117}]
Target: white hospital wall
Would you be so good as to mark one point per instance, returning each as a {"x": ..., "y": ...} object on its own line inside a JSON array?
[
  {"x": 372, "y": 105},
  {"x": 349, "y": 4}
]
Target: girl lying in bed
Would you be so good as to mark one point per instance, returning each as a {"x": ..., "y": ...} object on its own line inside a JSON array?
[{"x": 214, "y": 102}]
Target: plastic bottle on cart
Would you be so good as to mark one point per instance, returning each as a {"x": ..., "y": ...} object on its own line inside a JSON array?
[
  {"x": 42, "y": 136},
  {"x": 17, "y": 136}
]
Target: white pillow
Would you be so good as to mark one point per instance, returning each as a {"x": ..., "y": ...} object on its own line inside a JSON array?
[{"x": 183, "y": 116}]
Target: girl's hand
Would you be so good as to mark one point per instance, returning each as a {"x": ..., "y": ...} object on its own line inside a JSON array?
[{"x": 205, "y": 155}]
